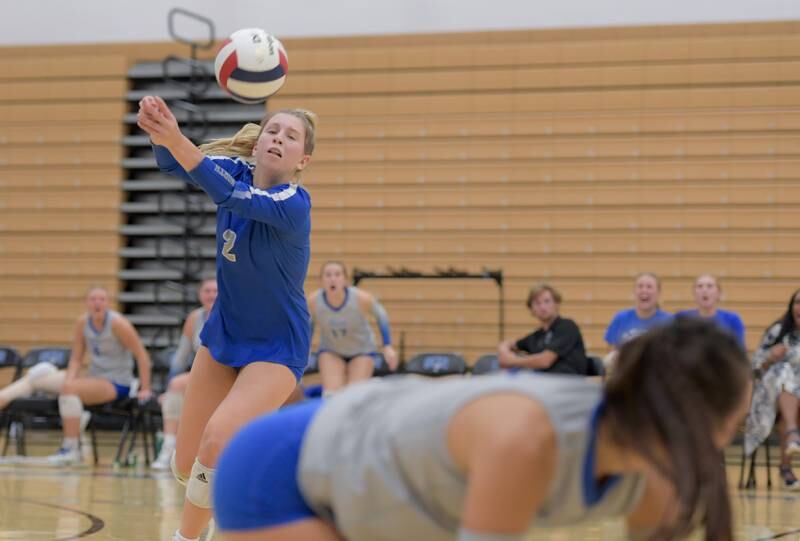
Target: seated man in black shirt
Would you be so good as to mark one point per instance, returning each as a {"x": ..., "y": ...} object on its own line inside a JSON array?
[{"x": 555, "y": 347}]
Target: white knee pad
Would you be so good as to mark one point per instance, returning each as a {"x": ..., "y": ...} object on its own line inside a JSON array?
[
  {"x": 41, "y": 369},
  {"x": 172, "y": 406},
  {"x": 198, "y": 489},
  {"x": 69, "y": 405},
  {"x": 174, "y": 467},
  {"x": 46, "y": 377}
]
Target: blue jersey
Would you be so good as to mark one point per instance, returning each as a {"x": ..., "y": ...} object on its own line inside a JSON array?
[
  {"x": 627, "y": 324},
  {"x": 263, "y": 250},
  {"x": 728, "y": 321}
]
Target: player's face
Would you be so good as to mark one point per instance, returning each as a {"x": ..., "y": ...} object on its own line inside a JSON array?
[
  {"x": 706, "y": 292},
  {"x": 646, "y": 292},
  {"x": 333, "y": 278},
  {"x": 544, "y": 306},
  {"x": 207, "y": 293},
  {"x": 280, "y": 148},
  {"x": 97, "y": 302}
]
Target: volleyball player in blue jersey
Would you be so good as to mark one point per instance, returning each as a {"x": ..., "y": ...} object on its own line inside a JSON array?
[{"x": 256, "y": 340}]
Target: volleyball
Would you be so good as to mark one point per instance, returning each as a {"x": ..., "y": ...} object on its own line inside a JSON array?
[{"x": 251, "y": 65}]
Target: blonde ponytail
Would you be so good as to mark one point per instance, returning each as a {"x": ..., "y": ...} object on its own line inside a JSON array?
[{"x": 240, "y": 144}]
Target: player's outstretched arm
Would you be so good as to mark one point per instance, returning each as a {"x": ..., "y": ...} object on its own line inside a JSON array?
[{"x": 369, "y": 304}]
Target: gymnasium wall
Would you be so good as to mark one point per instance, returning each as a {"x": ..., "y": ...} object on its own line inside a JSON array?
[
  {"x": 581, "y": 157},
  {"x": 36, "y": 22}
]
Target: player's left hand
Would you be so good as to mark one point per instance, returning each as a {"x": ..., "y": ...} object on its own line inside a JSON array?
[
  {"x": 391, "y": 358},
  {"x": 144, "y": 395}
]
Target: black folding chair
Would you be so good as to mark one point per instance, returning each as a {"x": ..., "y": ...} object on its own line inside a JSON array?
[
  {"x": 436, "y": 364},
  {"x": 486, "y": 364},
  {"x": 138, "y": 418},
  {"x": 10, "y": 365},
  {"x": 595, "y": 366},
  {"x": 10, "y": 368},
  {"x": 750, "y": 481}
]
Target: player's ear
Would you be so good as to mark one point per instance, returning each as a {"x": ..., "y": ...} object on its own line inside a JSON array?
[{"x": 303, "y": 163}]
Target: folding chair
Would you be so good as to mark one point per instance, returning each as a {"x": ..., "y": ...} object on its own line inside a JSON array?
[
  {"x": 436, "y": 364},
  {"x": 595, "y": 367},
  {"x": 138, "y": 418},
  {"x": 10, "y": 369},
  {"x": 486, "y": 364},
  {"x": 22, "y": 412},
  {"x": 750, "y": 482},
  {"x": 10, "y": 365},
  {"x": 136, "y": 421}
]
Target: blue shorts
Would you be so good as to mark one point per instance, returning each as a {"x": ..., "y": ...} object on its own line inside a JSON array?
[
  {"x": 123, "y": 391},
  {"x": 297, "y": 371},
  {"x": 256, "y": 482}
]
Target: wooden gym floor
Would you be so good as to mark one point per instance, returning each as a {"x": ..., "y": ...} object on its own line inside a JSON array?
[{"x": 46, "y": 504}]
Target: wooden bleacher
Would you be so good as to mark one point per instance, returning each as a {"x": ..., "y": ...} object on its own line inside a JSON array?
[{"x": 580, "y": 157}]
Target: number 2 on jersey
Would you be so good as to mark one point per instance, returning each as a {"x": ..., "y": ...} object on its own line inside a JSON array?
[{"x": 230, "y": 239}]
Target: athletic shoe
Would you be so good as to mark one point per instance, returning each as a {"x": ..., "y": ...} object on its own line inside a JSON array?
[
  {"x": 161, "y": 463},
  {"x": 66, "y": 457},
  {"x": 788, "y": 479}
]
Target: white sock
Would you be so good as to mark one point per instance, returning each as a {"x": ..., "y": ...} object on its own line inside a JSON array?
[
  {"x": 169, "y": 441},
  {"x": 179, "y": 537},
  {"x": 70, "y": 443}
]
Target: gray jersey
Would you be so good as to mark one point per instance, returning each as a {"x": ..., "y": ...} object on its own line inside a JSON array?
[
  {"x": 343, "y": 330},
  {"x": 375, "y": 458},
  {"x": 110, "y": 359}
]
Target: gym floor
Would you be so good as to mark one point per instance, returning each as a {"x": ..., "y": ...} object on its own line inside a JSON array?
[{"x": 40, "y": 503}]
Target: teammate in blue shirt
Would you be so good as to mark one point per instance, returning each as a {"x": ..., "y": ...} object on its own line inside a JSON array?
[
  {"x": 255, "y": 343},
  {"x": 707, "y": 292},
  {"x": 632, "y": 322}
]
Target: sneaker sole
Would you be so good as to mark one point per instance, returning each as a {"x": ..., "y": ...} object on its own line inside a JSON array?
[{"x": 793, "y": 449}]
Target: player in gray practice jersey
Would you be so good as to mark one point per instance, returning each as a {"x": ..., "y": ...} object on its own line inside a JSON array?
[
  {"x": 490, "y": 458},
  {"x": 347, "y": 352},
  {"x": 112, "y": 343}
]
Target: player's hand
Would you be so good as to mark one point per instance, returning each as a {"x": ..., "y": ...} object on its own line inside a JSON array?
[
  {"x": 506, "y": 358},
  {"x": 391, "y": 358},
  {"x": 156, "y": 119},
  {"x": 144, "y": 395},
  {"x": 777, "y": 352}
]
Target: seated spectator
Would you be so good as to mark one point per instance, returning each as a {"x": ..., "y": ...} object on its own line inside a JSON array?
[
  {"x": 111, "y": 340},
  {"x": 555, "y": 347},
  {"x": 707, "y": 293},
  {"x": 347, "y": 349},
  {"x": 172, "y": 400},
  {"x": 632, "y": 322},
  {"x": 112, "y": 343},
  {"x": 777, "y": 388}
]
